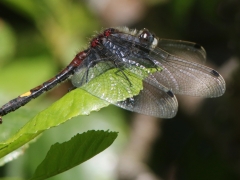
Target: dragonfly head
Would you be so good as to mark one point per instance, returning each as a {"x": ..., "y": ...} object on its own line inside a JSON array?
[{"x": 148, "y": 38}]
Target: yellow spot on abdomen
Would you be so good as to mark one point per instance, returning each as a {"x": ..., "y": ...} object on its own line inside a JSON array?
[{"x": 26, "y": 94}]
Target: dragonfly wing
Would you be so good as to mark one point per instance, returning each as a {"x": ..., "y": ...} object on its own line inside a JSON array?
[
  {"x": 88, "y": 71},
  {"x": 183, "y": 49},
  {"x": 182, "y": 70},
  {"x": 152, "y": 101},
  {"x": 184, "y": 76},
  {"x": 109, "y": 82},
  {"x": 127, "y": 86}
]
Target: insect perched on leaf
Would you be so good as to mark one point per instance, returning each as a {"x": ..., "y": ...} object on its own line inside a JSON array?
[{"x": 174, "y": 67}]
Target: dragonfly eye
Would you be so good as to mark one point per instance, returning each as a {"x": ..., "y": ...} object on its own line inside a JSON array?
[{"x": 146, "y": 37}]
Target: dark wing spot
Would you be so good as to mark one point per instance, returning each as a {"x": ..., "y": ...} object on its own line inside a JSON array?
[
  {"x": 215, "y": 73},
  {"x": 170, "y": 93}
]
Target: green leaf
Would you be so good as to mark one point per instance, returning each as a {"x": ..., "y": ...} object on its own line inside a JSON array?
[
  {"x": 79, "y": 149},
  {"x": 77, "y": 102}
]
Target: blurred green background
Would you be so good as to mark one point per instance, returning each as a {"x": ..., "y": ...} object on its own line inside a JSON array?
[{"x": 39, "y": 38}]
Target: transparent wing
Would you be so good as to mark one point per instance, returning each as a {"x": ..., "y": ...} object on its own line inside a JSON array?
[
  {"x": 184, "y": 76},
  {"x": 89, "y": 70},
  {"x": 127, "y": 86},
  {"x": 183, "y": 49},
  {"x": 181, "y": 71},
  {"x": 152, "y": 101}
]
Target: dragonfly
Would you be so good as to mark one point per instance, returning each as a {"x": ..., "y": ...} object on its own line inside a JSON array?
[{"x": 165, "y": 67}]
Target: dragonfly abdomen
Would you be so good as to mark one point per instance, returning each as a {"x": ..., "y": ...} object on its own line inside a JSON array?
[{"x": 46, "y": 86}]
